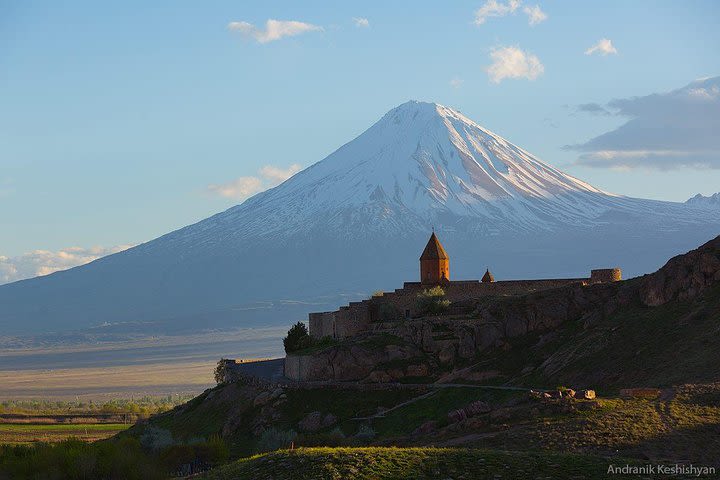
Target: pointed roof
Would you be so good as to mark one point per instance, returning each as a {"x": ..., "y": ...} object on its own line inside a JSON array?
[
  {"x": 488, "y": 277},
  {"x": 434, "y": 250}
]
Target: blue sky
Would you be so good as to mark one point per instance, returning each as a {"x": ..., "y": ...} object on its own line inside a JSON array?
[{"x": 117, "y": 120}]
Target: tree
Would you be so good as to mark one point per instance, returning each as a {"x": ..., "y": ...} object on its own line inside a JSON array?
[
  {"x": 221, "y": 370},
  {"x": 432, "y": 301},
  {"x": 297, "y": 338}
]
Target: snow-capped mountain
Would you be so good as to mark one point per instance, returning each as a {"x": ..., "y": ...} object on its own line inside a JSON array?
[
  {"x": 712, "y": 201},
  {"x": 357, "y": 220}
]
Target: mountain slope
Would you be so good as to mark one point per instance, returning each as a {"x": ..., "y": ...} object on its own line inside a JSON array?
[
  {"x": 712, "y": 201},
  {"x": 356, "y": 222}
]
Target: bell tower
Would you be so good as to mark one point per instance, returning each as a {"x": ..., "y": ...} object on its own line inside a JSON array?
[{"x": 434, "y": 263}]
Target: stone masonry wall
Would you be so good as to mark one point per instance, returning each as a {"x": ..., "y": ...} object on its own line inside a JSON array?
[
  {"x": 401, "y": 303},
  {"x": 321, "y": 324}
]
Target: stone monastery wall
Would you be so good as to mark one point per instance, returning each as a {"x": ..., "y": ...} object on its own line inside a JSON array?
[
  {"x": 401, "y": 303},
  {"x": 356, "y": 317}
]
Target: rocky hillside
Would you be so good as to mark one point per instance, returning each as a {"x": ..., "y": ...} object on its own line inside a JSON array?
[
  {"x": 583, "y": 377},
  {"x": 676, "y": 424},
  {"x": 646, "y": 321}
]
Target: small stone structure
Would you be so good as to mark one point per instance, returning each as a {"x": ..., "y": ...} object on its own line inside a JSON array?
[{"x": 356, "y": 317}]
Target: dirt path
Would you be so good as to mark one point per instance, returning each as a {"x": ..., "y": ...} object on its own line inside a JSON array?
[{"x": 400, "y": 405}]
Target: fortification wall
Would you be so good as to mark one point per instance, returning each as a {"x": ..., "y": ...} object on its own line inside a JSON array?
[
  {"x": 297, "y": 366},
  {"x": 322, "y": 324},
  {"x": 353, "y": 319},
  {"x": 401, "y": 303}
]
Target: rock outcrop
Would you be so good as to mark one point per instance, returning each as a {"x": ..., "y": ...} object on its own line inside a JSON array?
[
  {"x": 684, "y": 276},
  {"x": 416, "y": 348}
]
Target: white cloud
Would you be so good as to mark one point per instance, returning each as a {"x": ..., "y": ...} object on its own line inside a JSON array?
[
  {"x": 666, "y": 131},
  {"x": 45, "y": 262},
  {"x": 493, "y": 8},
  {"x": 456, "y": 82},
  {"x": 512, "y": 62},
  {"x": 279, "y": 175},
  {"x": 241, "y": 187},
  {"x": 535, "y": 15},
  {"x": 274, "y": 29},
  {"x": 603, "y": 47},
  {"x": 244, "y": 187},
  {"x": 361, "y": 22}
]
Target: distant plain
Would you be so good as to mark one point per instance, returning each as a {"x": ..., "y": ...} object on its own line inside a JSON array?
[{"x": 152, "y": 365}]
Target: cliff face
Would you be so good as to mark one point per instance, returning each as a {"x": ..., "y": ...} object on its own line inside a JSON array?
[
  {"x": 684, "y": 276},
  {"x": 432, "y": 346}
]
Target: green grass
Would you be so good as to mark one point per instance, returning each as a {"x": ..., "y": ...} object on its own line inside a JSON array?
[
  {"x": 674, "y": 430},
  {"x": 435, "y": 407},
  {"x": 59, "y": 427},
  {"x": 24, "y": 433},
  {"x": 76, "y": 459},
  {"x": 344, "y": 404},
  {"x": 412, "y": 463}
]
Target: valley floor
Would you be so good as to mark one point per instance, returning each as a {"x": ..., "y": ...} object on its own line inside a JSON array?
[{"x": 146, "y": 365}]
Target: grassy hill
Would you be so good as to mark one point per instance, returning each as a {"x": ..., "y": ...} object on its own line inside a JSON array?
[
  {"x": 682, "y": 425},
  {"x": 410, "y": 463}
]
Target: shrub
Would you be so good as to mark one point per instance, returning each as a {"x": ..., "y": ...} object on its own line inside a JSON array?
[
  {"x": 199, "y": 452},
  {"x": 274, "y": 439},
  {"x": 365, "y": 434},
  {"x": 155, "y": 438},
  {"x": 72, "y": 458},
  {"x": 297, "y": 338},
  {"x": 432, "y": 301},
  {"x": 326, "y": 341}
]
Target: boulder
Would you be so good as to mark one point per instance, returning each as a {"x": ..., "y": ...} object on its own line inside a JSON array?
[
  {"x": 417, "y": 370},
  {"x": 587, "y": 394},
  {"x": 379, "y": 376},
  {"x": 427, "y": 427},
  {"x": 447, "y": 355},
  {"x": 477, "y": 407},
  {"x": 329, "y": 420},
  {"x": 535, "y": 395},
  {"x": 474, "y": 423},
  {"x": 455, "y": 416},
  {"x": 312, "y": 422},
  {"x": 466, "y": 345}
]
